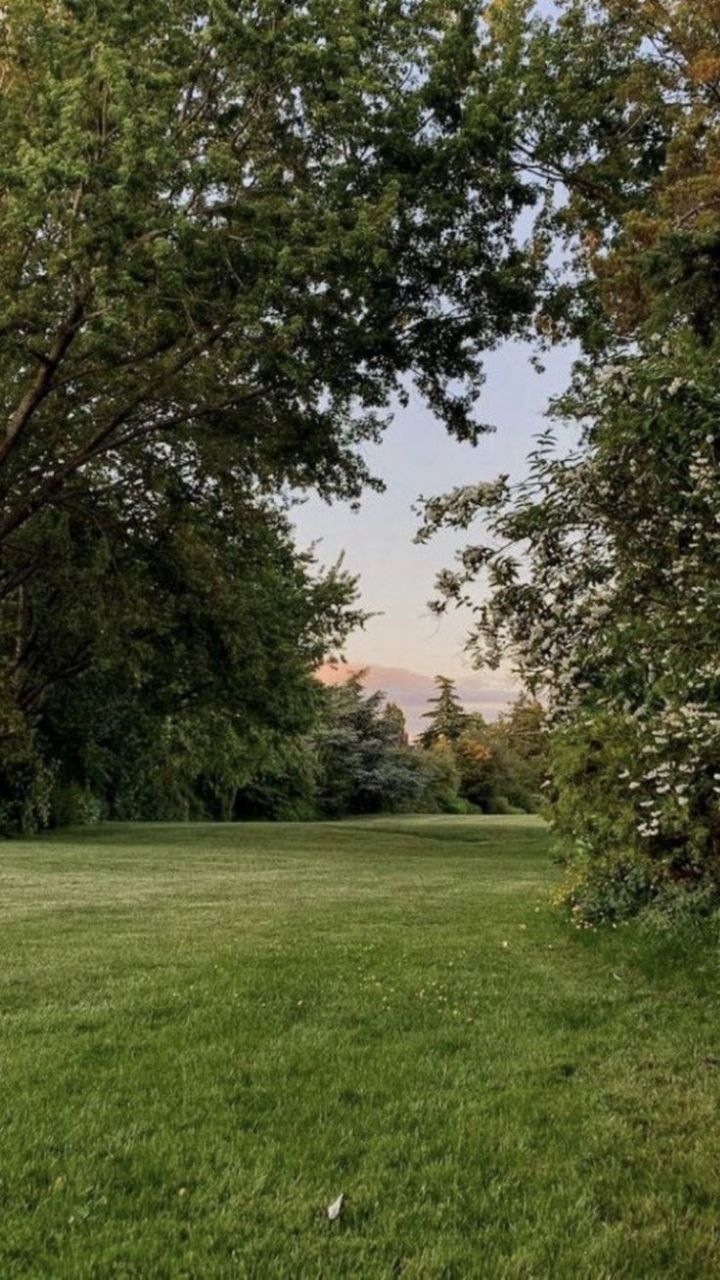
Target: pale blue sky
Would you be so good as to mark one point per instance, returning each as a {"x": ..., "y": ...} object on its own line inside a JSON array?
[{"x": 417, "y": 456}]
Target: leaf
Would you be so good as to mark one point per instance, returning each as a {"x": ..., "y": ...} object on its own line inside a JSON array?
[{"x": 336, "y": 1208}]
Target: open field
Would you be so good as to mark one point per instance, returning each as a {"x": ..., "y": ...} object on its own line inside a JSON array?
[{"x": 208, "y": 1033}]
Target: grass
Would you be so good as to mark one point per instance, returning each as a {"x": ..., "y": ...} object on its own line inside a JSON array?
[{"x": 208, "y": 1033}]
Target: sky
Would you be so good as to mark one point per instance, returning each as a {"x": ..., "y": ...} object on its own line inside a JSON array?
[
  {"x": 396, "y": 576},
  {"x": 404, "y": 645}
]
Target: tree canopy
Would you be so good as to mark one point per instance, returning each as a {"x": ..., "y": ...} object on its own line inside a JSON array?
[
  {"x": 230, "y": 236},
  {"x": 603, "y": 566},
  {"x": 228, "y": 233},
  {"x": 178, "y": 650}
]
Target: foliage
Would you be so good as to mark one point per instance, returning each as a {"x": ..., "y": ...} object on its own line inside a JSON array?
[
  {"x": 230, "y": 237},
  {"x": 27, "y": 784},
  {"x": 476, "y": 767},
  {"x": 519, "y": 741},
  {"x": 364, "y": 765},
  {"x": 613, "y": 612},
  {"x": 228, "y": 232},
  {"x": 500, "y": 770},
  {"x": 74, "y": 806},
  {"x": 493, "y": 768},
  {"x": 283, "y": 787},
  {"x": 163, "y": 684},
  {"x": 441, "y": 779},
  {"x": 446, "y": 715},
  {"x": 602, "y": 568}
]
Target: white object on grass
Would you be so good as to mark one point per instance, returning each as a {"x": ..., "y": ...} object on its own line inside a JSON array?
[{"x": 335, "y": 1209}]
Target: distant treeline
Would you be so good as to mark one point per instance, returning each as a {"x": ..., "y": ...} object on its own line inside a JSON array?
[
  {"x": 355, "y": 758},
  {"x": 360, "y": 760}
]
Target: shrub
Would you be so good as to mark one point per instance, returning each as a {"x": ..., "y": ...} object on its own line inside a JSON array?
[
  {"x": 74, "y": 806},
  {"x": 500, "y": 805}
]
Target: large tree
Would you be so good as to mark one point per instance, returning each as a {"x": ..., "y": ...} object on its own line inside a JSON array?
[
  {"x": 228, "y": 232},
  {"x": 144, "y": 654},
  {"x": 603, "y": 567},
  {"x": 229, "y": 236}
]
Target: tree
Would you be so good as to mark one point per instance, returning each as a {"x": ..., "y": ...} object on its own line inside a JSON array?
[
  {"x": 227, "y": 233},
  {"x": 603, "y": 567},
  {"x": 441, "y": 779},
  {"x": 476, "y": 763},
  {"x": 501, "y": 766},
  {"x": 363, "y": 765},
  {"x": 184, "y": 654},
  {"x": 229, "y": 236},
  {"x": 520, "y": 738},
  {"x": 447, "y": 718},
  {"x": 394, "y": 717}
]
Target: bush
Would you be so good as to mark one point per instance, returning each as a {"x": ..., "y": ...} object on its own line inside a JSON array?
[
  {"x": 499, "y": 805},
  {"x": 607, "y": 893},
  {"x": 456, "y": 804},
  {"x": 74, "y": 806},
  {"x": 622, "y": 890},
  {"x": 619, "y": 870}
]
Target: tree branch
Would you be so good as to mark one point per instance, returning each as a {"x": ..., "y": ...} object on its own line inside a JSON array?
[
  {"x": 43, "y": 380},
  {"x": 104, "y": 441}
]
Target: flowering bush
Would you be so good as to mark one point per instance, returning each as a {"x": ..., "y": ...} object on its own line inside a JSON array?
[
  {"x": 607, "y": 591},
  {"x": 603, "y": 568}
]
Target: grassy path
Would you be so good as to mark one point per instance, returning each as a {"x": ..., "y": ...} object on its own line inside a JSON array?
[{"x": 210, "y": 1032}]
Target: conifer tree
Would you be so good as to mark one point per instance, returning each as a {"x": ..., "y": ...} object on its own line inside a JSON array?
[{"x": 447, "y": 717}]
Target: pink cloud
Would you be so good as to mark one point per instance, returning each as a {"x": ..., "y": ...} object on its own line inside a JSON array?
[{"x": 412, "y": 689}]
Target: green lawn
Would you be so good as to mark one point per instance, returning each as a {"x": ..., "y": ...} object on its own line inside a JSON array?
[{"x": 208, "y": 1033}]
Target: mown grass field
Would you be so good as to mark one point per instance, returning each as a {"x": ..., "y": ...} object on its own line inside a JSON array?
[{"x": 208, "y": 1033}]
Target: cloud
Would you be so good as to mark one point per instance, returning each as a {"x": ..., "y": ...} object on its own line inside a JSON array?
[{"x": 412, "y": 689}]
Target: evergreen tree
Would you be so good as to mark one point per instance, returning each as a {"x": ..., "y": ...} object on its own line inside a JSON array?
[
  {"x": 447, "y": 717},
  {"x": 394, "y": 717},
  {"x": 363, "y": 766}
]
